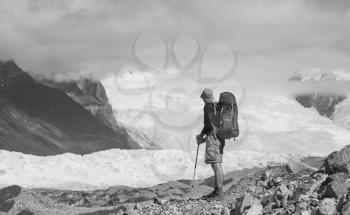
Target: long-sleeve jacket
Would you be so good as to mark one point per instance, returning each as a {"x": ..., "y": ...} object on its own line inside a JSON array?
[{"x": 209, "y": 118}]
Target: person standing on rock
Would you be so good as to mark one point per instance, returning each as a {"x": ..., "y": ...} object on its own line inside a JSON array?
[{"x": 214, "y": 146}]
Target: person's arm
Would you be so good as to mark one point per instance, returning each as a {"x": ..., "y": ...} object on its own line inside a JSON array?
[
  {"x": 200, "y": 137},
  {"x": 208, "y": 108},
  {"x": 212, "y": 117},
  {"x": 205, "y": 130}
]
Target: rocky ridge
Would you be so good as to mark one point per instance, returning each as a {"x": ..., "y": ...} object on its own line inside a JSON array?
[
  {"x": 324, "y": 103},
  {"x": 314, "y": 186}
]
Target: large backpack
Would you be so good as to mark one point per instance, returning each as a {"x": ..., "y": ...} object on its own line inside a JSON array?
[{"x": 227, "y": 116}]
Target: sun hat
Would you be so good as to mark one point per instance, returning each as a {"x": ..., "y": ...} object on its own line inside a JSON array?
[{"x": 207, "y": 94}]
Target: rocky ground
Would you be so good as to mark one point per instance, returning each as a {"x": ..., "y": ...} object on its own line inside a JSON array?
[{"x": 314, "y": 186}]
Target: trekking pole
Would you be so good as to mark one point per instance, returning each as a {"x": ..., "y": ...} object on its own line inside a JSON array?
[{"x": 195, "y": 167}]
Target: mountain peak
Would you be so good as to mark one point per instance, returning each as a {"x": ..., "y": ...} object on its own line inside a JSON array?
[
  {"x": 44, "y": 120},
  {"x": 11, "y": 75},
  {"x": 320, "y": 75},
  {"x": 11, "y": 66}
]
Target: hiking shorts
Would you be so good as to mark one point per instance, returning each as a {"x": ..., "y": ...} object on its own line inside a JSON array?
[{"x": 214, "y": 148}]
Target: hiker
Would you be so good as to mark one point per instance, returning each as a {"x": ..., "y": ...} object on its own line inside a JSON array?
[{"x": 214, "y": 145}]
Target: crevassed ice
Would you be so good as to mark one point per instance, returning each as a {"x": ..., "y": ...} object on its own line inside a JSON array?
[
  {"x": 278, "y": 130},
  {"x": 115, "y": 167}
]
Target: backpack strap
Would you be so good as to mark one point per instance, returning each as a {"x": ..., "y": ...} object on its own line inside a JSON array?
[
  {"x": 220, "y": 117},
  {"x": 214, "y": 108},
  {"x": 211, "y": 122},
  {"x": 212, "y": 102},
  {"x": 232, "y": 109}
]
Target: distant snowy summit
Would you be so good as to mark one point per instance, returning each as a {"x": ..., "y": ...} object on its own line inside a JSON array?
[
  {"x": 320, "y": 75},
  {"x": 334, "y": 105}
]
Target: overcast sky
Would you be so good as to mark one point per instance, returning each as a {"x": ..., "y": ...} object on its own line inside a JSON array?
[{"x": 271, "y": 38}]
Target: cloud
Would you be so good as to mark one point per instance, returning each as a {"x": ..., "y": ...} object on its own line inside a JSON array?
[{"x": 272, "y": 38}]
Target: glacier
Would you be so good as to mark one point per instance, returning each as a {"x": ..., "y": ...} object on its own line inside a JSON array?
[
  {"x": 342, "y": 114},
  {"x": 136, "y": 168},
  {"x": 274, "y": 130}
]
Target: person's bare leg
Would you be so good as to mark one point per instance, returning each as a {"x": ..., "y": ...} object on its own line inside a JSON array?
[
  {"x": 215, "y": 180},
  {"x": 219, "y": 177}
]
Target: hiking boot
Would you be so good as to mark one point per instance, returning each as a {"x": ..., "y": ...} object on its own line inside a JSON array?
[
  {"x": 214, "y": 194},
  {"x": 218, "y": 197},
  {"x": 211, "y": 195}
]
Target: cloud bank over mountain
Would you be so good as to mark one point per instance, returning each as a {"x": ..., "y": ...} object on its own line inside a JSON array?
[{"x": 272, "y": 38}]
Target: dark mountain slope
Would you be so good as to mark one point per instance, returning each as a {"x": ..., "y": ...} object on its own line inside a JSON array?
[
  {"x": 69, "y": 126},
  {"x": 92, "y": 96},
  {"x": 12, "y": 76},
  {"x": 19, "y": 132}
]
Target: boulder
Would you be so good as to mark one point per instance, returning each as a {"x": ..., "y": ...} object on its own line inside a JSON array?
[
  {"x": 247, "y": 204},
  {"x": 123, "y": 194},
  {"x": 255, "y": 209},
  {"x": 303, "y": 198},
  {"x": 25, "y": 212},
  {"x": 296, "y": 166},
  {"x": 328, "y": 207},
  {"x": 315, "y": 210},
  {"x": 7, "y": 195},
  {"x": 302, "y": 206},
  {"x": 82, "y": 203},
  {"x": 338, "y": 186},
  {"x": 301, "y": 190},
  {"x": 268, "y": 208},
  {"x": 305, "y": 212},
  {"x": 338, "y": 161},
  {"x": 119, "y": 210},
  {"x": 159, "y": 201},
  {"x": 7, "y": 205},
  {"x": 9, "y": 192},
  {"x": 345, "y": 208},
  {"x": 319, "y": 180},
  {"x": 284, "y": 191}
]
